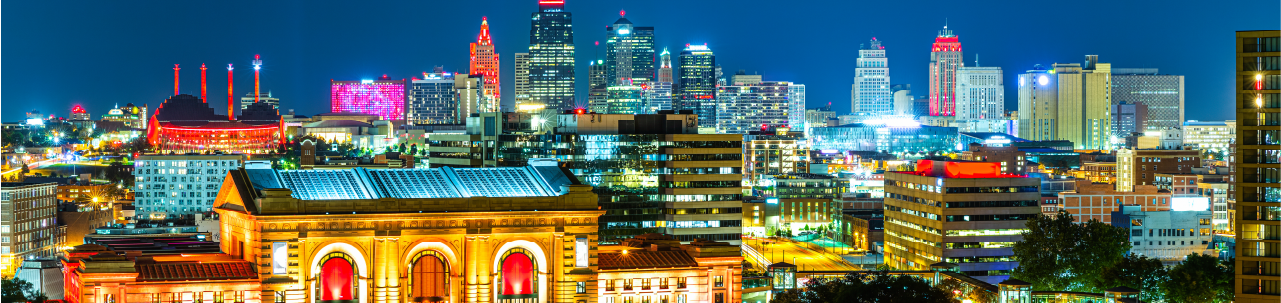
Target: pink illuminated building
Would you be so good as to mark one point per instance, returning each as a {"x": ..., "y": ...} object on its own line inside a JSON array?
[
  {"x": 945, "y": 59},
  {"x": 383, "y": 97}
]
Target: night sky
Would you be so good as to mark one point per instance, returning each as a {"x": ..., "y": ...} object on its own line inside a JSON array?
[{"x": 100, "y": 53}]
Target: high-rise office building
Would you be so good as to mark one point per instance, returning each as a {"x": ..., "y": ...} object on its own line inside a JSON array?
[
  {"x": 980, "y": 93},
  {"x": 696, "y": 87},
  {"x": 521, "y": 71},
  {"x": 1085, "y": 105},
  {"x": 1162, "y": 94},
  {"x": 796, "y": 106},
  {"x": 1258, "y": 179},
  {"x": 658, "y": 96},
  {"x": 629, "y": 52},
  {"x": 433, "y": 100},
  {"x": 484, "y": 61},
  {"x": 597, "y": 82},
  {"x": 625, "y": 99},
  {"x": 383, "y": 97},
  {"x": 551, "y": 57},
  {"x": 747, "y": 107},
  {"x": 870, "y": 94},
  {"x": 974, "y": 229},
  {"x": 903, "y": 99},
  {"x": 171, "y": 185},
  {"x": 1038, "y": 105},
  {"x": 665, "y": 66},
  {"x": 29, "y": 224},
  {"x": 945, "y": 59},
  {"x": 470, "y": 93},
  {"x": 1128, "y": 117}
]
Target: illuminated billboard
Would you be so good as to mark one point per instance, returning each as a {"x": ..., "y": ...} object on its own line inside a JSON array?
[{"x": 383, "y": 97}]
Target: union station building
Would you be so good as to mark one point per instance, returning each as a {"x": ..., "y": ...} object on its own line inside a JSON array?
[{"x": 512, "y": 234}]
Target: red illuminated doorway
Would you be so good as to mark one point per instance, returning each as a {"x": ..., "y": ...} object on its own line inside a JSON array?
[
  {"x": 429, "y": 277},
  {"x": 518, "y": 277},
  {"x": 337, "y": 279}
]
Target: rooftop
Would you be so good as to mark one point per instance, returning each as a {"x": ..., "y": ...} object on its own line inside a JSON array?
[{"x": 415, "y": 183}]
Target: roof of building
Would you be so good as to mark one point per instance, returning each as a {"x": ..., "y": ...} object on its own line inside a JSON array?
[
  {"x": 415, "y": 183},
  {"x": 196, "y": 271},
  {"x": 646, "y": 259},
  {"x": 337, "y": 123},
  {"x": 983, "y": 135}
]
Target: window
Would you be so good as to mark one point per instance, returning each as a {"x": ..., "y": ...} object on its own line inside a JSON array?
[
  {"x": 627, "y": 284},
  {"x": 517, "y": 276},
  {"x": 720, "y": 281},
  {"x": 580, "y": 288},
  {"x": 609, "y": 285},
  {"x": 429, "y": 276}
]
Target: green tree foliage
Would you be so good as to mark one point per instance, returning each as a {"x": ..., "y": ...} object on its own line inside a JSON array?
[
  {"x": 1200, "y": 279},
  {"x": 1056, "y": 254},
  {"x": 964, "y": 291},
  {"x": 14, "y": 290},
  {"x": 1139, "y": 272},
  {"x": 867, "y": 287}
]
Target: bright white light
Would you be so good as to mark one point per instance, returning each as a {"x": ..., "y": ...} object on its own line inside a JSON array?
[
  {"x": 830, "y": 151},
  {"x": 1189, "y": 203},
  {"x": 892, "y": 122},
  {"x": 1043, "y": 80},
  {"x": 771, "y": 201},
  {"x": 623, "y": 31},
  {"x": 366, "y": 81}
]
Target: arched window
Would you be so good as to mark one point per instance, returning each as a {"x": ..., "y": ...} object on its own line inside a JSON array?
[
  {"x": 518, "y": 277},
  {"x": 337, "y": 278},
  {"x": 429, "y": 276}
]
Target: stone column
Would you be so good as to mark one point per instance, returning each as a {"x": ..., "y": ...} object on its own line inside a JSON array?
[
  {"x": 379, "y": 272},
  {"x": 393, "y": 258}
]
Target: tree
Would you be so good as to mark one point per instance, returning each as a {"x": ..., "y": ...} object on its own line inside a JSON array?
[
  {"x": 1139, "y": 272},
  {"x": 14, "y": 290},
  {"x": 964, "y": 291},
  {"x": 37, "y": 297},
  {"x": 413, "y": 149},
  {"x": 867, "y": 287},
  {"x": 1199, "y": 279},
  {"x": 1057, "y": 254}
]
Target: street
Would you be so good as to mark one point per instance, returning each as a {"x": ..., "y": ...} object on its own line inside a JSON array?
[{"x": 798, "y": 254}]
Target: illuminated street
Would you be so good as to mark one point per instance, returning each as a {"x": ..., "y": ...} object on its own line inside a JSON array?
[{"x": 797, "y": 253}]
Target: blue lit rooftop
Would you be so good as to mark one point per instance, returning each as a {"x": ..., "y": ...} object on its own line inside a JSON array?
[{"x": 414, "y": 183}]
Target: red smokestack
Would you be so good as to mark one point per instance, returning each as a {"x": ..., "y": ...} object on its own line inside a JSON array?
[
  {"x": 257, "y": 66},
  {"x": 202, "y": 83},
  {"x": 175, "y": 79},
  {"x": 231, "y": 111}
]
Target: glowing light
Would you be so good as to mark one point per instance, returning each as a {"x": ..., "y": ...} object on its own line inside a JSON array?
[
  {"x": 579, "y": 111},
  {"x": 623, "y": 31},
  {"x": 1043, "y": 80},
  {"x": 366, "y": 81},
  {"x": 1189, "y": 203}
]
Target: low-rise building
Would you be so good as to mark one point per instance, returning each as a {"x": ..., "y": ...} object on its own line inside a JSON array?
[
  {"x": 658, "y": 268},
  {"x": 28, "y": 224},
  {"x": 1097, "y": 201},
  {"x": 1140, "y": 167},
  {"x": 1169, "y": 236}
]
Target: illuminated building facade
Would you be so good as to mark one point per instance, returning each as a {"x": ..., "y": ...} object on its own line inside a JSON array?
[
  {"x": 625, "y": 100},
  {"x": 171, "y": 185},
  {"x": 807, "y": 201},
  {"x": 383, "y": 97},
  {"x": 967, "y": 213},
  {"x": 28, "y": 224},
  {"x": 980, "y": 94},
  {"x": 433, "y": 100},
  {"x": 512, "y": 234},
  {"x": 658, "y": 97},
  {"x": 79, "y": 113},
  {"x": 1038, "y": 105},
  {"x": 248, "y": 100},
  {"x": 1209, "y": 135},
  {"x": 796, "y": 106},
  {"x": 157, "y": 269},
  {"x": 1140, "y": 167},
  {"x": 1097, "y": 201},
  {"x": 629, "y": 52},
  {"x": 185, "y": 124},
  {"x": 945, "y": 59},
  {"x": 521, "y": 72},
  {"x": 657, "y": 268},
  {"x": 665, "y": 66},
  {"x": 1169, "y": 236},
  {"x": 891, "y": 137},
  {"x": 597, "y": 87},
  {"x": 870, "y": 92},
  {"x": 696, "y": 85},
  {"x": 1084, "y": 103},
  {"x": 744, "y": 107},
  {"x": 484, "y": 62},
  {"x": 551, "y": 57},
  {"x": 131, "y": 115},
  {"x": 768, "y": 153},
  {"x": 1257, "y": 177},
  {"x": 1129, "y": 118},
  {"x": 1161, "y": 94}
]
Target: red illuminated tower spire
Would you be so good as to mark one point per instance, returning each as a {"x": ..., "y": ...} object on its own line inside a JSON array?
[
  {"x": 175, "y": 79},
  {"x": 484, "y": 61},
  {"x": 945, "y": 59},
  {"x": 257, "y": 66},
  {"x": 202, "y": 83},
  {"x": 231, "y": 111}
]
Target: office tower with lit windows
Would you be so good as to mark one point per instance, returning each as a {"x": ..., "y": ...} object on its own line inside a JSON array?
[
  {"x": 870, "y": 93},
  {"x": 1038, "y": 105},
  {"x": 597, "y": 82},
  {"x": 746, "y": 107},
  {"x": 665, "y": 66},
  {"x": 1209, "y": 136},
  {"x": 658, "y": 96},
  {"x": 1084, "y": 103},
  {"x": 696, "y": 85},
  {"x": 629, "y": 53},
  {"x": 980, "y": 93},
  {"x": 1258, "y": 178},
  {"x": 625, "y": 99},
  {"x": 1161, "y": 94},
  {"x": 1128, "y": 118},
  {"x": 551, "y": 57},
  {"x": 521, "y": 71},
  {"x": 28, "y": 224},
  {"x": 248, "y": 100},
  {"x": 78, "y": 113},
  {"x": 383, "y": 97},
  {"x": 433, "y": 100},
  {"x": 173, "y": 185},
  {"x": 945, "y": 59},
  {"x": 796, "y": 106},
  {"x": 967, "y": 213},
  {"x": 484, "y": 62}
]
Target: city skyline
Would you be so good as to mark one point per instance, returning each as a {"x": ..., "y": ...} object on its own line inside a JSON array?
[{"x": 300, "y": 53}]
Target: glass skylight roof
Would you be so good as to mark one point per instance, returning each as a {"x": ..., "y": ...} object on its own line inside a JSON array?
[{"x": 445, "y": 182}]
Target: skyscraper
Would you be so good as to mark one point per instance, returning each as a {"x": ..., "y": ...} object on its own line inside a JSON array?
[
  {"x": 903, "y": 99},
  {"x": 1038, "y": 105},
  {"x": 1258, "y": 186},
  {"x": 1127, "y": 118},
  {"x": 521, "y": 70},
  {"x": 665, "y": 67},
  {"x": 484, "y": 61},
  {"x": 597, "y": 81},
  {"x": 629, "y": 52},
  {"x": 1085, "y": 104},
  {"x": 945, "y": 59},
  {"x": 433, "y": 100},
  {"x": 744, "y": 107},
  {"x": 551, "y": 57},
  {"x": 870, "y": 93},
  {"x": 980, "y": 93},
  {"x": 796, "y": 106},
  {"x": 696, "y": 87},
  {"x": 1162, "y": 94},
  {"x": 658, "y": 93}
]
